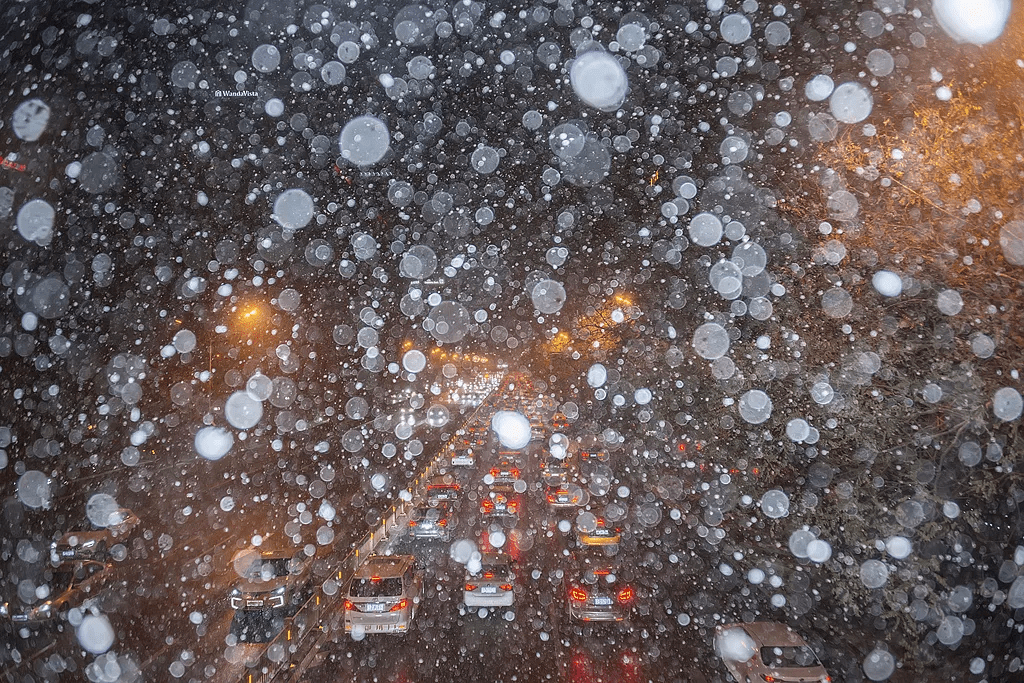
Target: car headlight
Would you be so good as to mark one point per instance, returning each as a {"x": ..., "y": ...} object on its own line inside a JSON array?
[
  {"x": 235, "y": 591},
  {"x": 3, "y": 609},
  {"x": 279, "y": 591},
  {"x": 45, "y": 608}
]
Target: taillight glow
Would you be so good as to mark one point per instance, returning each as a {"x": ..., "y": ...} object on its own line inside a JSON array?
[
  {"x": 349, "y": 605},
  {"x": 442, "y": 522},
  {"x": 488, "y": 575},
  {"x": 578, "y": 594},
  {"x": 506, "y": 586},
  {"x": 626, "y": 594},
  {"x": 471, "y": 586},
  {"x": 400, "y": 605}
]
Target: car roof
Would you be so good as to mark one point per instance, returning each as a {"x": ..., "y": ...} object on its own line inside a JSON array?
[
  {"x": 282, "y": 553},
  {"x": 384, "y": 566},
  {"x": 769, "y": 633}
]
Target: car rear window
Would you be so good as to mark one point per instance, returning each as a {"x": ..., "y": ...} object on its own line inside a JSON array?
[
  {"x": 376, "y": 588},
  {"x": 788, "y": 656}
]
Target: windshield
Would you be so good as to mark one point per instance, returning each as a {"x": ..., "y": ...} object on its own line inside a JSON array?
[{"x": 744, "y": 275}]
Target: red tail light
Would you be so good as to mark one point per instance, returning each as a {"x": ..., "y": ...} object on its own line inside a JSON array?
[
  {"x": 600, "y": 522},
  {"x": 488, "y": 506},
  {"x": 412, "y": 522},
  {"x": 470, "y": 586},
  {"x": 515, "y": 473},
  {"x": 494, "y": 471},
  {"x": 626, "y": 594},
  {"x": 578, "y": 594},
  {"x": 513, "y": 506},
  {"x": 768, "y": 677},
  {"x": 488, "y": 575},
  {"x": 400, "y": 605},
  {"x": 442, "y": 522},
  {"x": 506, "y": 586},
  {"x": 349, "y": 605}
]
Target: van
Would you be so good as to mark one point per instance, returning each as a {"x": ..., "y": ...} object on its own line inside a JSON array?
[{"x": 383, "y": 595}]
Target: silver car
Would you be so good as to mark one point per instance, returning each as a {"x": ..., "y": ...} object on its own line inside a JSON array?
[
  {"x": 72, "y": 584},
  {"x": 278, "y": 580},
  {"x": 492, "y": 585},
  {"x": 383, "y": 595},
  {"x": 432, "y": 522}
]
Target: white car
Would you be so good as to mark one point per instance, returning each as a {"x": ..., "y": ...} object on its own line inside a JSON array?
[{"x": 492, "y": 585}]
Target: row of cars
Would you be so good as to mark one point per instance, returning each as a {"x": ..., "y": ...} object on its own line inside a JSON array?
[{"x": 79, "y": 572}]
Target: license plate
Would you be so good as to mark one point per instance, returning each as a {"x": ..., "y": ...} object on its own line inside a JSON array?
[
  {"x": 373, "y": 608},
  {"x": 489, "y": 589},
  {"x": 602, "y": 601},
  {"x": 67, "y": 553},
  {"x": 254, "y": 603},
  {"x": 20, "y": 617}
]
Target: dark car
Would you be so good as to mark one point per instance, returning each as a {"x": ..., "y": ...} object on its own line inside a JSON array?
[
  {"x": 71, "y": 585},
  {"x": 275, "y": 580}
]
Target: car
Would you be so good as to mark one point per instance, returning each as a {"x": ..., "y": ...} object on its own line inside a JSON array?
[
  {"x": 565, "y": 495},
  {"x": 492, "y": 584},
  {"x": 383, "y": 595},
  {"x": 94, "y": 544},
  {"x": 463, "y": 456},
  {"x": 597, "y": 592},
  {"x": 500, "y": 503},
  {"x": 506, "y": 471},
  {"x": 442, "y": 489},
  {"x": 601, "y": 532},
  {"x": 593, "y": 456},
  {"x": 71, "y": 584},
  {"x": 277, "y": 580},
  {"x": 436, "y": 521},
  {"x": 767, "y": 651},
  {"x": 554, "y": 471}
]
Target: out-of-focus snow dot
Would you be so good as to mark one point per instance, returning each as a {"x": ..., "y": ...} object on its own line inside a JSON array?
[
  {"x": 462, "y": 550},
  {"x": 705, "y": 229},
  {"x": 631, "y": 37},
  {"x": 184, "y": 74},
  {"x": 414, "y": 361},
  {"x": 227, "y": 503},
  {"x": 755, "y": 406},
  {"x": 1015, "y": 596},
  {"x": 358, "y": 632},
  {"x": 564, "y": 526},
  {"x": 485, "y": 160},
  {"x": 242, "y": 411},
  {"x": 711, "y": 341},
  {"x": 969, "y": 453},
  {"x": 960, "y": 599},
  {"x": 1011, "y": 240},
  {"x": 879, "y": 665},
  {"x": 184, "y": 341},
  {"x": 100, "y": 507},
  {"x": 35, "y": 222},
  {"x": 775, "y": 504},
  {"x": 725, "y": 569},
  {"x": 30, "y": 119},
  {"x": 548, "y": 296},
  {"x": 683, "y": 619},
  {"x": 288, "y": 300},
  {"x": 195, "y": 617},
  {"x": 851, "y": 103},
  {"x": 95, "y": 634},
  {"x": 931, "y": 393},
  {"x": 797, "y": 429},
  {"x": 735, "y": 28},
  {"x": 213, "y": 443},
  {"x": 378, "y": 482},
  {"x": 976, "y": 21},
  {"x": 622, "y": 492},
  {"x": 874, "y": 574},
  {"x": 599, "y": 80},
  {"x": 887, "y": 283},
  {"x": 982, "y": 345},
  {"x": 333, "y": 73},
  {"x": 566, "y": 140},
  {"x": 266, "y": 58},
  {"x": 898, "y": 547},
  {"x": 951, "y": 509},
  {"x": 977, "y": 665},
  {"x": 649, "y": 514},
  {"x": 1007, "y": 404},
  {"x": 777, "y": 33},
  {"x": 819, "y": 550},
  {"x": 943, "y": 93},
  {"x": 755, "y": 576},
  {"x": 324, "y": 535},
  {"x": 364, "y": 140},
  {"x": 778, "y": 600},
  {"x": 949, "y": 301},
  {"x": 260, "y": 387},
  {"x": 597, "y": 375},
  {"x": 293, "y": 209},
  {"x": 512, "y": 428},
  {"x": 274, "y": 107},
  {"x": 586, "y": 521},
  {"x": 822, "y": 393},
  {"x": 642, "y": 396},
  {"x": 950, "y": 630},
  {"x": 496, "y": 539},
  {"x": 819, "y": 88},
  {"x": 326, "y": 511},
  {"x": 837, "y": 302}
]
